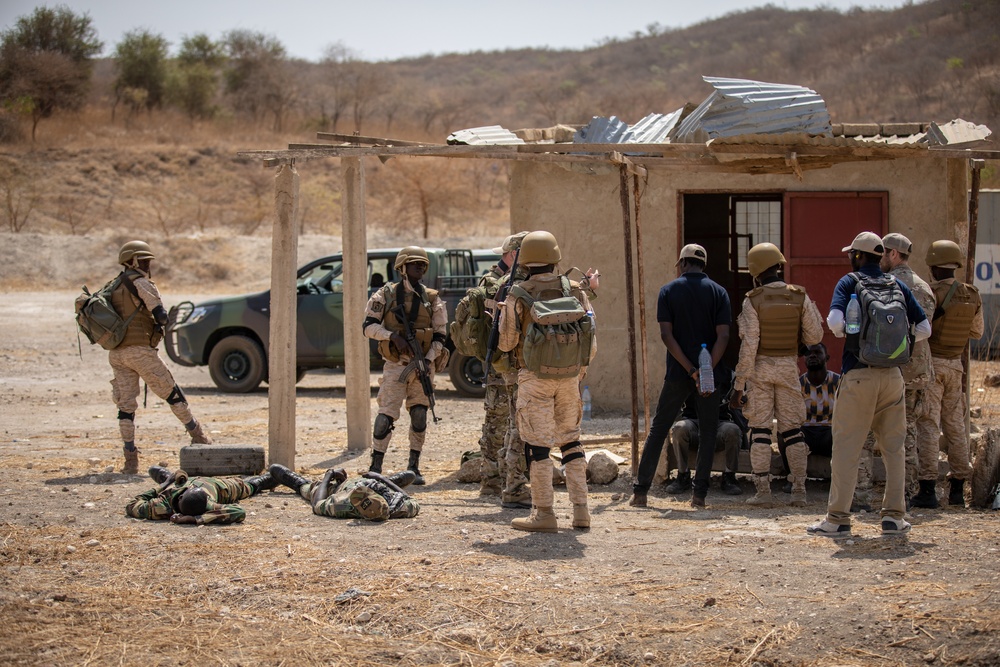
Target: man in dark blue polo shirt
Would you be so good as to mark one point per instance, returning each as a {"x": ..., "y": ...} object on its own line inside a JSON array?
[
  {"x": 869, "y": 398},
  {"x": 692, "y": 310}
]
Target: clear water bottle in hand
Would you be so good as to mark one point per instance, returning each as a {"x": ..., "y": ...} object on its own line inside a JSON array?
[
  {"x": 705, "y": 374},
  {"x": 853, "y": 320},
  {"x": 586, "y": 404}
]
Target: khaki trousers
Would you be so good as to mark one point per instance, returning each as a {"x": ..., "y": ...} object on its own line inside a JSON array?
[{"x": 868, "y": 399}]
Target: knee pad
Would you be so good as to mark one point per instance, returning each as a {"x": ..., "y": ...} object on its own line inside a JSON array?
[
  {"x": 418, "y": 418},
  {"x": 383, "y": 426},
  {"x": 126, "y": 415},
  {"x": 792, "y": 436},
  {"x": 176, "y": 396},
  {"x": 760, "y": 436},
  {"x": 536, "y": 453},
  {"x": 572, "y": 456}
]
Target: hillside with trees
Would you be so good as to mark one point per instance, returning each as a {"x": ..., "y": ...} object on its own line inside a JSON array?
[{"x": 148, "y": 137}]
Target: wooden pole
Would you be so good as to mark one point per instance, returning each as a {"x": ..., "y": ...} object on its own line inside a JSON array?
[
  {"x": 970, "y": 277},
  {"x": 356, "y": 365},
  {"x": 281, "y": 354},
  {"x": 630, "y": 306},
  {"x": 637, "y": 195}
]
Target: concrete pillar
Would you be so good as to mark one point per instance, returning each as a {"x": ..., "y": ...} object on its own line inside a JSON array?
[
  {"x": 356, "y": 364},
  {"x": 281, "y": 357}
]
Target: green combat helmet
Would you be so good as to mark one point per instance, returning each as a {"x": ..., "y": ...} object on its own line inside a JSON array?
[
  {"x": 762, "y": 257},
  {"x": 410, "y": 253},
  {"x": 134, "y": 250},
  {"x": 539, "y": 249},
  {"x": 945, "y": 254}
]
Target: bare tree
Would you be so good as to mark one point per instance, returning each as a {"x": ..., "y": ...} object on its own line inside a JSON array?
[{"x": 20, "y": 197}]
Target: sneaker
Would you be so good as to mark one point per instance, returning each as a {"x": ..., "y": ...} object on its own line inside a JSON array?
[
  {"x": 892, "y": 526},
  {"x": 827, "y": 529},
  {"x": 638, "y": 499}
]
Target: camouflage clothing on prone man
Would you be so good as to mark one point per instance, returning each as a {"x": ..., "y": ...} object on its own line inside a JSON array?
[
  {"x": 196, "y": 500},
  {"x": 428, "y": 319},
  {"x": 776, "y": 319},
  {"x": 137, "y": 358},
  {"x": 372, "y": 497}
]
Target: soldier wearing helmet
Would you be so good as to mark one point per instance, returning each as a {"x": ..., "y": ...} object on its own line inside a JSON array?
[
  {"x": 137, "y": 356},
  {"x": 426, "y": 313},
  {"x": 777, "y": 318},
  {"x": 958, "y": 316},
  {"x": 371, "y": 497},
  {"x": 549, "y": 407}
]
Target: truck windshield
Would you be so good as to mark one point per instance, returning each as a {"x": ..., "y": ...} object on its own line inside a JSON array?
[{"x": 325, "y": 276}]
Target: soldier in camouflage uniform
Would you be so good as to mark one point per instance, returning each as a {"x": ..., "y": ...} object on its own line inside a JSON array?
[
  {"x": 196, "y": 500},
  {"x": 918, "y": 373},
  {"x": 776, "y": 319},
  {"x": 137, "y": 356},
  {"x": 549, "y": 407},
  {"x": 372, "y": 497},
  {"x": 504, "y": 469},
  {"x": 400, "y": 382},
  {"x": 958, "y": 316}
]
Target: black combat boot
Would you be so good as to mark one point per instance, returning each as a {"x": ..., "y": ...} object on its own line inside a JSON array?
[
  {"x": 403, "y": 478},
  {"x": 927, "y": 496},
  {"x": 681, "y": 484},
  {"x": 414, "y": 467},
  {"x": 729, "y": 485},
  {"x": 159, "y": 474},
  {"x": 956, "y": 496},
  {"x": 291, "y": 479},
  {"x": 376, "y": 464},
  {"x": 264, "y": 482}
]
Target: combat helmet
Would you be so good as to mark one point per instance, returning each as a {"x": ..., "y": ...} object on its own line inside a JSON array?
[
  {"x": 134, "y": 250},
  {"x": 540, "y": 249},
  {"x": 410, "y": 253},
  {"x": 763, "y": 256},
  {"x": 945, "y": 254}
]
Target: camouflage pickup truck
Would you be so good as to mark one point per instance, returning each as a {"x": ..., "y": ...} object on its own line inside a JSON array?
[{"x": 230, "y": 335}]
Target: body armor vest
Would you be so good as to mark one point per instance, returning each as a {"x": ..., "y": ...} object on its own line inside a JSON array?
[
  {"x": 140, "y": 329},
  {"x": 950, "y": 332},
  {"x": 779, "y": 309},
  {"x": 420, "y": 322}
]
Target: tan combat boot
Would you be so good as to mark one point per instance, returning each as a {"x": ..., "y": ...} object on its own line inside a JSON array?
[
  {"x": 131, "y": 466},
  {"x": 763, "y": 496},
  {"x": 581, "y": 516},
  {"x": 541, "y": 520},
  {"x": 198, "y": 435},
  {"x": 798, "y": 460}
]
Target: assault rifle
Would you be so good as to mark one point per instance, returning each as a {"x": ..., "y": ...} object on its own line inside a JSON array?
[
  {"x": 494, "y": 339},
  {"x": 419, "y": 362}
]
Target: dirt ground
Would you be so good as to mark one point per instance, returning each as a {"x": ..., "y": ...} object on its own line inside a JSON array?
[{"x": 81, "y": 584}]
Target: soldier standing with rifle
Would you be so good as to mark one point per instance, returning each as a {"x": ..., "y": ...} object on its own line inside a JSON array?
[{"x": 409, "y": 322}]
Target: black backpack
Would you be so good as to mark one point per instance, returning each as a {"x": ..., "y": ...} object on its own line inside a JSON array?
[{"x": 884, "y": 340}]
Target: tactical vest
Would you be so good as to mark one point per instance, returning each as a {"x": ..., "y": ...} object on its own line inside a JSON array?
[
  {"x": 142, "y": 327},
  {"x": 779, "y": 309},
  {"x": 421, "y": 323},
  {"x": 950, "y": 332}
]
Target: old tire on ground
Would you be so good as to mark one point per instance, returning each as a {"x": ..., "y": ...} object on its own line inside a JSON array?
[
  {"x": 237, "y": 364},
  {"x": 986, "y": 470},
  {"x": 467, "y": 374},
  {"x": 220, "y": 460}
]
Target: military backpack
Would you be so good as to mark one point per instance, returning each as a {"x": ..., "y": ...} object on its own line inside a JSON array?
[
  {"x": 97, "y": 317},
  {"x": 559, "y": 336},
  {"x": 470, "y": 332}
]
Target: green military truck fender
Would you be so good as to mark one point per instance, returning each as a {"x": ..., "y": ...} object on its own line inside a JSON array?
[{"x": 230, "y": 335}]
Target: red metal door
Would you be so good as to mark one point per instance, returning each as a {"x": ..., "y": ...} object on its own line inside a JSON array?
[{"x": 817, "y": 225}]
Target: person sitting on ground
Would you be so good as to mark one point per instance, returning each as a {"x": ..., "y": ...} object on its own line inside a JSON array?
[
  {"x": 684, "y": 438},
  {"x": 373, "y": 496},
  {"x": 196, "y": 500}
]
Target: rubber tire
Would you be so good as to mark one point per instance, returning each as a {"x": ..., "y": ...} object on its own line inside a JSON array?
[
  {"x": 986, "y": 470},
  {"x": 467, "y": 375},
  {"x": 248, "y": 365},
  {"x": 221, "y": 460}
]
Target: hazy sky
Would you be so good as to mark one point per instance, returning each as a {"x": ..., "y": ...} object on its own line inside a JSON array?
[{"x": 392, "y": 29}]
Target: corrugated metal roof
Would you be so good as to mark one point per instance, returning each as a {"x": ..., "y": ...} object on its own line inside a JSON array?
[
  {"x": 602, "y": 130},
  {"x": 804, "y": 139},
  {"x": 957, "y": 134},
  {"x": 490, "y": 135},
  {"x": 741, "y": 106},
  {"x": 654, "y": 128}
]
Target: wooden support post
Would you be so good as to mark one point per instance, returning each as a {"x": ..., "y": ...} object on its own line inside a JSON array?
[
  {"x": 281, "y": 353},
  {"x": 970, "y": 277},
  {"x": 630, "y": 307},
  {"x": 637, "y": 196},
  {"x": 356, "y": 364}
]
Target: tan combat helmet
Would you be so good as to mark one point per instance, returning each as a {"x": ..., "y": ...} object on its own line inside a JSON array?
[
  {"x": 945, "y": 254},
  {"x": 134, "y": 250},
  {"x": 410, "y": 253},
  {"x": 763, "y": 256},
  {"x": 540, "y": 249}
]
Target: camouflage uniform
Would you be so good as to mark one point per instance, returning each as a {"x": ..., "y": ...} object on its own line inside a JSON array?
[
  {"x": 363, "y": 498},
  {"x": 393, "y": 390},
  {"x": 768, "y": 367},
  {"x": 137, "y": 357},
  {"x": 223, "y": 492}
]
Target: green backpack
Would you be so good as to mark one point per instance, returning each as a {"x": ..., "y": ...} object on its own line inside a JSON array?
[
  {"x": 558, "y": 339},
  {"x": 470, "y": 332},
  {"x": 96, "y": 315}
]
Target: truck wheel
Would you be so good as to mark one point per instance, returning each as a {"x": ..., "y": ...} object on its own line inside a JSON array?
[
  {"x": 468, "y": 375},
  {"x": 237, "y": 364}
]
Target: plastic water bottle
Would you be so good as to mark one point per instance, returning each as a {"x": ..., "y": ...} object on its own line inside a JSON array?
[
  {"x": 853, "y": 315},
  {"x": 586, "y": 403},
  {"x": 705, "y": 373}
]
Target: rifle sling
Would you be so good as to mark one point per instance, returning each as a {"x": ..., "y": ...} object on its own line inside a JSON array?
[{"x": 947, "y": 298}]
